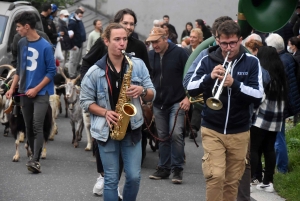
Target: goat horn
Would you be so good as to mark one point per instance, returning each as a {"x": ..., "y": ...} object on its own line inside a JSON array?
[
  {"x": 75, "y": 80},
  {"x": 11, "y": 73},
  {"x": 7, "y": 66},
  {"x": 61, "y": 86},
  {"x": 62, "y": 73}
]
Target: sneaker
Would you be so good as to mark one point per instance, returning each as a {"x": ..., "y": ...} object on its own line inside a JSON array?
[
  {"x": 255, "y": 181},
  {"x": 34, "y": 166},
  {"x": 119, "y": 194},
  {"x": 177, "y": 176},
  {"x": 160, "y": 174},
  {"x": 98, "y": 188},
  {"x": 265, "y": 187}
]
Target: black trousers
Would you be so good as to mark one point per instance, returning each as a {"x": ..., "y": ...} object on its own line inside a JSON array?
[{"x": 263, "y": 140}]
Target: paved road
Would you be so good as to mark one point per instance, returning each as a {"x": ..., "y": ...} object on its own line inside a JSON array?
[{"x": 69, "y": 173}]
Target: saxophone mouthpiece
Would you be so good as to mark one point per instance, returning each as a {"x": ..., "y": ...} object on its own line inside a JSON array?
[{"x": 123, "y": 51}]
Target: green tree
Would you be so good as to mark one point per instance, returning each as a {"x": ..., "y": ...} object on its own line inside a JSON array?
[{"x": 59, "y": 3}]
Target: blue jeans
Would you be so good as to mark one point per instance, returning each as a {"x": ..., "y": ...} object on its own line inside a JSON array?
[
  {"x": 281, "y": 151},
  {"x": 132, "y": 156},
  {"x": 172, "y": 150}
]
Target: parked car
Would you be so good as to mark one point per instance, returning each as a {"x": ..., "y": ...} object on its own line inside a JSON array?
[{"x": 8, "y": 12}]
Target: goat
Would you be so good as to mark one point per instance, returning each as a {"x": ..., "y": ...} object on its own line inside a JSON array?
[
  {"x": 58, "y": 81},
  {"x": 7, "y": 72},
  {"x": 16, "y": 121},
  {"x": 75, "y": 111},
  {"x": 150, "y": 121},
  {"x": 54, "y": 103}
]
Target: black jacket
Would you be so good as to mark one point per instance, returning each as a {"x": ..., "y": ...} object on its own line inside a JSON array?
[
  {"x": 167, "y": 75},
  {"x": 66, "y": 43},
  {"x": 134, "y": 47}
]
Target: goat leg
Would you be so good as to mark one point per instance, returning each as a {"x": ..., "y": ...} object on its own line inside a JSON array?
[
  {"x": 16, "y": 157},
  {"x": 44, "y": 152},
  {"x": 21, "y": 136},
  {"x": 29, "y": 152},
  {"x": 6, "y": 129}
]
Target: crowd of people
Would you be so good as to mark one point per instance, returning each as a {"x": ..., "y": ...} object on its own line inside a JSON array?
[{"x": 256, "y": 98}]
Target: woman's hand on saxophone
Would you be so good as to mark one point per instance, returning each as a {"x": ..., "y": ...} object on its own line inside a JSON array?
[{"x": 134, "y": 91}]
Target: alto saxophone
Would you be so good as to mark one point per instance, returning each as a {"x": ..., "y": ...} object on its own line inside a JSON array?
[{"x": 124, "y": 108}]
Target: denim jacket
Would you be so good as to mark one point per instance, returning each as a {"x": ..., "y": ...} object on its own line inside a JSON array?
[{"x": 94, "y": 89}]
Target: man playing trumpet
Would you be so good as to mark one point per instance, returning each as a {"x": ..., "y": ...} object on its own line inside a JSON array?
[{"x": 225, "y": 130}]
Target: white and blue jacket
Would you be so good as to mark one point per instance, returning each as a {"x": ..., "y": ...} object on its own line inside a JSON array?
[
  {"x": 94, "y": 89},
  {"x": 238, "y": 100}
]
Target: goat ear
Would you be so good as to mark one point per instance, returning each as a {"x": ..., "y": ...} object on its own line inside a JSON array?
[{"x": 78, "y": 89}]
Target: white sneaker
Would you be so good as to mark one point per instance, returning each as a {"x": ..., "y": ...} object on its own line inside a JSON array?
[
  {"x": 98, "y": 188},
  {"x": 265, "y": 187},
  {"x": 119, "y": 194}
]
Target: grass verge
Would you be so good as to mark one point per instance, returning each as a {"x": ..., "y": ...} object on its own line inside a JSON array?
[{"x": 288, "y": 185}]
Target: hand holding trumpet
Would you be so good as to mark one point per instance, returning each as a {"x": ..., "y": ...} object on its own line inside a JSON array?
[{"x": 219, "y": 72}]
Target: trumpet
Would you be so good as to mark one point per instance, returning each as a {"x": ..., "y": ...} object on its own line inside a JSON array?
[
  {"x": 213, "y": 102},
  {"x": 197, "y": 99}
]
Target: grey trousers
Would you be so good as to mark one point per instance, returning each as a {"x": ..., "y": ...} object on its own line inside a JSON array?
[
  {"x": 75, "y": 57},
  {"x": 34, "y": 112}
]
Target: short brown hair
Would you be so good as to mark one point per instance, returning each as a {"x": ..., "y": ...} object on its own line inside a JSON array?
[
  {"x": 253, "y": 44},
  {"x": 107, "y": 31},
  {"x": 229, "y": 28},
  {"x": 217, "y": 23}
]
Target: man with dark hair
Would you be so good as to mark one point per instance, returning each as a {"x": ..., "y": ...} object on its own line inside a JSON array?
[
  {"x": 225, "y": 131},
  {"x": 136, "y": 48},
  {"x": 105, "y": 77},
  {"x": 35, "y": 71},
  {"x": 76, "y": 25},
  {"x": 94, "y": 35},
  {"x": 46, "y": 12},
  {"x": 166, "y": 20}
]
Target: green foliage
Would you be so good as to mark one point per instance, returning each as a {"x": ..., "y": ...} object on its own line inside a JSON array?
[
  {"x": 287, "y": 185},
  {"x": 59, "y": 3},
  {"x": 293, "y": 143}
]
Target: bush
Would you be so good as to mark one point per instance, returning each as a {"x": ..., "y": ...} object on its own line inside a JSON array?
[{"x": 287, "y": 185}]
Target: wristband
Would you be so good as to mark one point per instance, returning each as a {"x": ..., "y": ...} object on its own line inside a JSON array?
[{"x": 105, "y": 113}]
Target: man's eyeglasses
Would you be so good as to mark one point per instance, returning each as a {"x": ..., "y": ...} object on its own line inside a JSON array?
[
  {"x": 232, "y": 44},
  {"x": 127, "y": 23}
]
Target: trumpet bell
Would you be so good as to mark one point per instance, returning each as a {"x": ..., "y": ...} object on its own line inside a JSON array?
[{"x": 214, "y": 104}]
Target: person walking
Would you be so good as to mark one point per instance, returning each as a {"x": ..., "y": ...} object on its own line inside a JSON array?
[
  {"x": 94, "y": 35},
  {"x": 225, "y": 131},
  {"x": 35, "y": 71},
  {"x": 108, "y": 73},
  {"x": 269, "y": 116},
  {"x": 167, "y": 61}
]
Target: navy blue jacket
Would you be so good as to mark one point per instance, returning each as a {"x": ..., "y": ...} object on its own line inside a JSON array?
[
  {"x": 293, "y": 101},
  {"x": 79, "y": 32},
  {"x": 238, "y": 101},
  {"x": 167, "y": 75}
]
